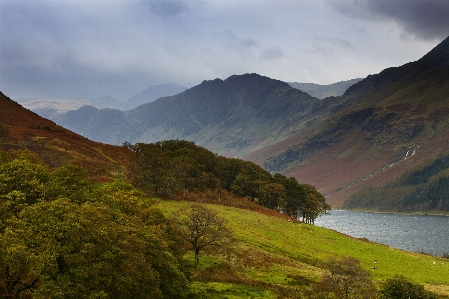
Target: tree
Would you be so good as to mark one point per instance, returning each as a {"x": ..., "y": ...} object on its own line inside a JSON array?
[
  {"x": 24, "y": 176},
  {"x": 201, "y": 227},
  {"x": 314, "y": 205},
  {"x": 249, "y": 180},
  {"x": 345, "y": 279},
  {"x": 400, "y": 287},
  {"x": 295, "y": 196},
  {"x": 272, "y": 196}
]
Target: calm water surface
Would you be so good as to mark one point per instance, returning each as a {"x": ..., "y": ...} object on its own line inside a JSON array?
[{"x": 409, "y": 232}]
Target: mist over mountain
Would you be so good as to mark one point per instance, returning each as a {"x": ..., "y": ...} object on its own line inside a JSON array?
[
  {"x": 153, "y": 93},
  {"x": 381, "y": 127},
  {"x": 108, "y": 102},
  {"x": 323, "y": 91},
  {"x": 51, "y": 109}
]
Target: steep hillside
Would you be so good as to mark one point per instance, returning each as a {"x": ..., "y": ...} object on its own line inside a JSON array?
[
  {"x": 23, "y": 129},
  {"x": 391, "y": 122}
]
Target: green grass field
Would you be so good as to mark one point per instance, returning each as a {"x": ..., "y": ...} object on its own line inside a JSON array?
[{"x": 273, "y": 258}]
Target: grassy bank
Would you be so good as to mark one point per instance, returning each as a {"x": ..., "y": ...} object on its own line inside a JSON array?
[{"x": 273, "y": 258}]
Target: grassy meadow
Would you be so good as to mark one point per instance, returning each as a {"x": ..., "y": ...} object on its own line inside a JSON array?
[{"x": 272, "y": 257}]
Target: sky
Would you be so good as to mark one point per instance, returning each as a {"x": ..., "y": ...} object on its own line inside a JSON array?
[{"x": 84, "y": 49}]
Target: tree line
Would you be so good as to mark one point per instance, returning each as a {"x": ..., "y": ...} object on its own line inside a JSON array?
[{"x": 173, "y": 167}]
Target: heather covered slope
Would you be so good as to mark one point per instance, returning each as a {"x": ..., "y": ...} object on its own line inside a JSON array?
[
  {"x": 392, "y": 122},
  {"x": 23, "y": 129}
]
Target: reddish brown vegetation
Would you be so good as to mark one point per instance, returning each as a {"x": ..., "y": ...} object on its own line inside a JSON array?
[{"x": 57, "y": 145}]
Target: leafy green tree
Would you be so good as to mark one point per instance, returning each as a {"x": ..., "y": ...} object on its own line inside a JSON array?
[
  {"x": 201, "y": 227},
  {"x": 154, "y": 171},
  {"x": 273, "y": 196},
  {"x": 295, "y": 195},
  {"x": 70, "y": 181},
  {"x": 24, "y": 176},
  {"x": 314, "y": 205},
  {"x": 400, "y": 287},
  {"x": 249, "y": 180}
]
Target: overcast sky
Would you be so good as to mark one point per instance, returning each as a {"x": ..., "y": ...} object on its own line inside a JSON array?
[{"x": 83, "y": 49}]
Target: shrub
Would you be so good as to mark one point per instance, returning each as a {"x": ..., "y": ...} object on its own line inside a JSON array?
[{"x": 400, "y": 287}]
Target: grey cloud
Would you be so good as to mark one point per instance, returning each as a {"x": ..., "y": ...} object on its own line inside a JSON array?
[
  {"x": 273, "y": 53},
  {"x": 330, "y": 45},
  {"x": 423, "y": 19},
  {"x": 334, "y": 42},
  {"x": 167, "y": 7},
  {"x": 248, "y": 42},
  {"x": 232, "y": 41}
]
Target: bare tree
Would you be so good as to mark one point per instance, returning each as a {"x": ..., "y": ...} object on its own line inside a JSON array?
[
  {"x": 345, "y": 279},
  {"x": 201, "y": 227}
]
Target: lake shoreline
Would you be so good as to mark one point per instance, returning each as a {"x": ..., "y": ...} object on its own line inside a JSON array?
[
  {"x": 421, "y": 233},
  {"x": 420, "y": 213}
]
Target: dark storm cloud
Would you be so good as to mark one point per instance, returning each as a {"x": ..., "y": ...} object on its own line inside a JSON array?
[
  {"x": 423, "y": 19},
  {"x": 167, "y": 7}
]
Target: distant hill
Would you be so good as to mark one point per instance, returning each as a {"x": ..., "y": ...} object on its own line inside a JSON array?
[{"x": 323, "y": 91}]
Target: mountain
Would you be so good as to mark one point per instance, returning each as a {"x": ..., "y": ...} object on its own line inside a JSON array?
[
  {"x": 21, "y": 128},
  {"x": 323, "y": 91},
  {"x": 153, "y": 93},
  {"x": 231, "y": 117},
  {"x": 391, "y": 123}
]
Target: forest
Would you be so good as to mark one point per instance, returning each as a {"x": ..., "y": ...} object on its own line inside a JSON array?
[{"x": 174, "y": 167}]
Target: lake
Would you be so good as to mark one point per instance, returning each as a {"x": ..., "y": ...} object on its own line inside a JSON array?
[{"x": 421, "y": 233}]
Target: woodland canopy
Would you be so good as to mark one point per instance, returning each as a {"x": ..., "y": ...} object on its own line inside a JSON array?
[{"x": 168, "y": 168}]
